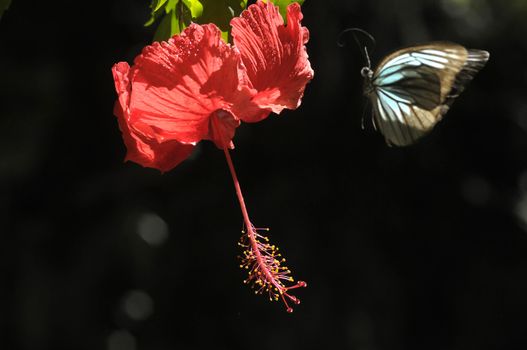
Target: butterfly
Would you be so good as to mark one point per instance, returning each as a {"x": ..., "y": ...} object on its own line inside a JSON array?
[{"x": 412, "y": 88}]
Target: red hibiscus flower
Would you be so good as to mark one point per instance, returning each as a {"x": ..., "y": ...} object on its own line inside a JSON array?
[
  {"x": 179, "y": 92},
  {"x": 197, "y": 87}
]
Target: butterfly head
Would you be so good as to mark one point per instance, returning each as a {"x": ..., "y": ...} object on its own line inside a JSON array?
[{"x": 366, "y": 72}]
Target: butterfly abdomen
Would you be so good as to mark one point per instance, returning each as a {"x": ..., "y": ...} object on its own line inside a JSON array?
[{"x": 367, "y": 88}]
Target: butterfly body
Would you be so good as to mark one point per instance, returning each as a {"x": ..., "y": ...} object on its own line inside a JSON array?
[{"x": 412, "y": 88}]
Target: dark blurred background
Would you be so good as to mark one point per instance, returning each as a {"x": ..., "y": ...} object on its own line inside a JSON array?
[{"x": 423, "y": 247}]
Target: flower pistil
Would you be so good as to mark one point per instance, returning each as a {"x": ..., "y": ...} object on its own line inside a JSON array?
[{"x": 266, "y": 272}]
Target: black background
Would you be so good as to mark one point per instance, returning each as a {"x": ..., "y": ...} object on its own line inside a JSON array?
[{"x": 422, "y": 247}]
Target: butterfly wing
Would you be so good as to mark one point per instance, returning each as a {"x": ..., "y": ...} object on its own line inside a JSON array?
[{"x": 414, "y": 87}]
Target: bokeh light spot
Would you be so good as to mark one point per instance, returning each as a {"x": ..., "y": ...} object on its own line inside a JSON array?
[
  {"x": 121, "y": 340},
  {"x": 152, "y": 228},
  {"x": 476, "y": 191},
  {"x": 138, "y": 305}
]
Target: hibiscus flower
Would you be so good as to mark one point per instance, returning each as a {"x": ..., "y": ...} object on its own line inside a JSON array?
[
  {"x": 191, "y": 88},
  {"x": 196, "y": 87}
]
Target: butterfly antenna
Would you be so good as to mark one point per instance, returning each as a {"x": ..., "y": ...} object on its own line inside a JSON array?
[
  {"x": 367, "y": 56},
  {"x": 364, "y": 49}
]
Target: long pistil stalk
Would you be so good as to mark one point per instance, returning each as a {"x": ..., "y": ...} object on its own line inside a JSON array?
[{"x": 261, "y": 259}]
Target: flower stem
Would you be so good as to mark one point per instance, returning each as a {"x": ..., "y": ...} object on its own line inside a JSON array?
[{"x": 261, "y": 258}]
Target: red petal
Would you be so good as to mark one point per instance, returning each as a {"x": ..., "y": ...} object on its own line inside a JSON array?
[
  {"x": 178, "y": 84},
  {"x": 274, "y": 54},
  {"x": 141, "y": 149}
]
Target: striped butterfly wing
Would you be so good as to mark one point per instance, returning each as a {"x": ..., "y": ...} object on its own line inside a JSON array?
[{"x": 414, "y": 87}]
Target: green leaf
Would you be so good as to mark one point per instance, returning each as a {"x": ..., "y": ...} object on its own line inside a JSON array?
[
  {"x": 171, "y": 6},
  {"x": 178, "y": 14},
  {"x": 220, "y": 12},
  {"x": 158, "y": 8},
  {"x": 164, "y": 29},
  {"x": 4, "y": 5},
  {"x": 156, "y": 4},
  {"x": 195, "y": 7},
  {"x": 282, "y": 5},
  {"x": 176, "y": 25}
]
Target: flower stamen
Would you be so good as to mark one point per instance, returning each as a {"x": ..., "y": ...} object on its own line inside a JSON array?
[{"x": 266, "y": 272}]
